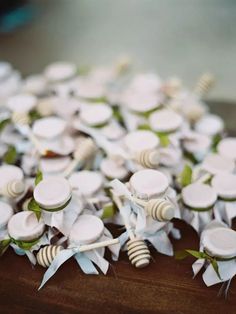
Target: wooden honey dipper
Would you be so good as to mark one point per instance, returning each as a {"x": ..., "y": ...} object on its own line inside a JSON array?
[
  {"x": 204, "y": 84},
  {"x": 138, "y": 252},
  {"x": 13, "y": 188}
]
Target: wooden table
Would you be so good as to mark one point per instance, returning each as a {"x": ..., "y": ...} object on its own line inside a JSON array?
[{"x": 166, "y": 286}]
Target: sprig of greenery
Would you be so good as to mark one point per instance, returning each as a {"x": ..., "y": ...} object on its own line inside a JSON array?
[
  {"x": 39, "y": 177},
  {"x": 185, "y": 177},
  {"x": 10, "y": 157}
]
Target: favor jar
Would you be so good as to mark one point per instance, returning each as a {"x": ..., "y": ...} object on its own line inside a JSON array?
[
  {"x": 51, "y": 133},
  {"x": 12, "y": 185},
  {"x": 218, "y": 255},
  {"x": 26, "y": 233},
  {"x": 60, "y": 207},
  {"x": 225, "y": 186},
  {"x": 198, "y": 200}
]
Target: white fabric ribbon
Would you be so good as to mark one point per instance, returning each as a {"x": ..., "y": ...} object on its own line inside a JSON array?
[
  {"x": 197, "y": 219},
  {"x": 225, "y": 211}
]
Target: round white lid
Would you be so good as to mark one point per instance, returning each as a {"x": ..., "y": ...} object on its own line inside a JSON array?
[
  {"x": 6, "y": 211},
  {"x": 52, "y": 192},
  {"x": 25, "y": 226},
  {"x": 87, "y": 229},
  {"x": 51, "y": 165},
  {"x": 59, "y": 71},
  {"x": 198, "y": 195},
  {"x": 89, "y": 88},
  {"x": 21, "y": 102},
  {"x": 169, "y": 156},
  {"x": 165, "y": 120},
  {"x": 5, "y": 69},
  {"x": 140, "y": 102},
  {"x": 220, "y": 242},
  {"x": 9, "y": 173},
  {"x": 148, "y": 183},
  {"x": 215, "y": 163},
  {"x": 96, "y": 115},
  {"x": 227, "y": 147},
  {"x": 49, "y": 128},
  {"x": 35, "y": 84},
  {"x": 210, "y": 124},
  {"x": 146, "y": 82},
  {"x": 225, "y": 185},
  {"x": 86, "y": 182},
  {"x": 196, "y": 142},
  {"x": 113, "y": 169},
  {"x": 140, "y": 140}
]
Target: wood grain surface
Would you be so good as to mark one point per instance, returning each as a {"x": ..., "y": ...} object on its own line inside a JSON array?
[{"x": 166, "y": 286}]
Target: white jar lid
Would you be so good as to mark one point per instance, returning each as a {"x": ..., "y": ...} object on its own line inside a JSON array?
[
  {"x": 227, "y": 147},
  {"x": 215, "y": 163},
  {"x": 35, "y": 84},
  {"x": 25, "y": 226},
  {"x": 49, "y": 128},
  {"x": 220, "y": 242},
  {"x": 96, "y": 115},
  {"x": 6, "y": 211},
  {"x": 86, "y": 182},
  {"x": 210, "y": 124},
  {"x": 52, "y": 192},
  {"x": 113, "y": 169},
  {"x": 199, "y": 195},
  {"x": 9, "y": 173},
  {"x": 195, "y": 142},
  {"x": 59, "y": 71},
  {"x": 113, "y": 131},
  {"x": 225, "y": 185},
  {"x": 87, "y": 229},
  {"x": 146, "y": 82},
  {"x": 141, "y": 102},
  {"x": 148, "y": 183},
  {"x": 5, "y": 69},
  {"x": 169, "y": 156},
  {"x": 165, "y": 120},
  {"x": 21, "y": 102},
  {"x": 52, "y": 165},
  {"x": 140, "y": 140},
  {"x": 63, "y": 145}
]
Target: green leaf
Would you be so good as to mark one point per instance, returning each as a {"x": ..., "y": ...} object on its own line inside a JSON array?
[
  {"x": 108, "y": 211},
  {"x": 179, "y": 255},
  {"x": 4, "y": 244},
  {"x": 144, "y": 127},
  {"x": 39, "y": 177},
  {"x": 4, "y": 123},
  {"x": 34, "y": 207},
  {"x": 186, "y": 176},
  {"x": 10, "y": 156},
  {"x": 117, "y": 115},
  {"x": 34, "y": 115},
  {"x": 216, "y": 267},
  {"x": 25, "y": 245},
  {"x": 164, "y": 139},
  {"x": 197, "y": 254}
]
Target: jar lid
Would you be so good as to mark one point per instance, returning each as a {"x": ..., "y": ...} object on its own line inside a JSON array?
[
  {"x": 113, "y": 169},
  {"x": 52, "y": 165},
  {"x": 49, "y": 128},
  {"x": 35, "y": 84},
  {"x": 5, "y": 69},
  {"x": 165, "y": 120},
  {"x": 25, "y": 226},
  {"x": 52, "y": 192},
  {"x": 86, "y": 182},
  {"x": 215, "y": 163},
  {"x": 227, "y": 147},
  {"x": 113, "y": 131},
  {"x": 21, "y": 102},
  {"x": 199, "y": 195},
  {"x": 96, "y": 115},
  {"x": 140, "y": 140},
  {"x": 169, "y": 156},
  {"x": 6, "y": 211},
  {"x": 63, "y": 145},
  {"x": 59, "y": 71},
  {"x": 195, "y": 142},
  {"x": 146, "y": 82},
  {"x": 225, "y": 185},
  {"x": 210, "y": 124},
  {"x": 141, "y": 102},
  {"x": 220, "y": 242},
  {"x": 148, "y": 183},
  {"x": 9, "y": 173},
  {"x": 87, "y": 229}
]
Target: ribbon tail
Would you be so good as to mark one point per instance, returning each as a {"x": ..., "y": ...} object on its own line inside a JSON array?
[
  {"x": 60, "y": 258},
  {"x": 197, "y": 266},
  {"x": 227, "y": 270},
  {"x": 141, "y": 218},
  {"x": 31, "y": 257},
  {"x": 97, "y": 259},
  {"x": 85, "y": 264},
  {"x": 161, "y": 242}
]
